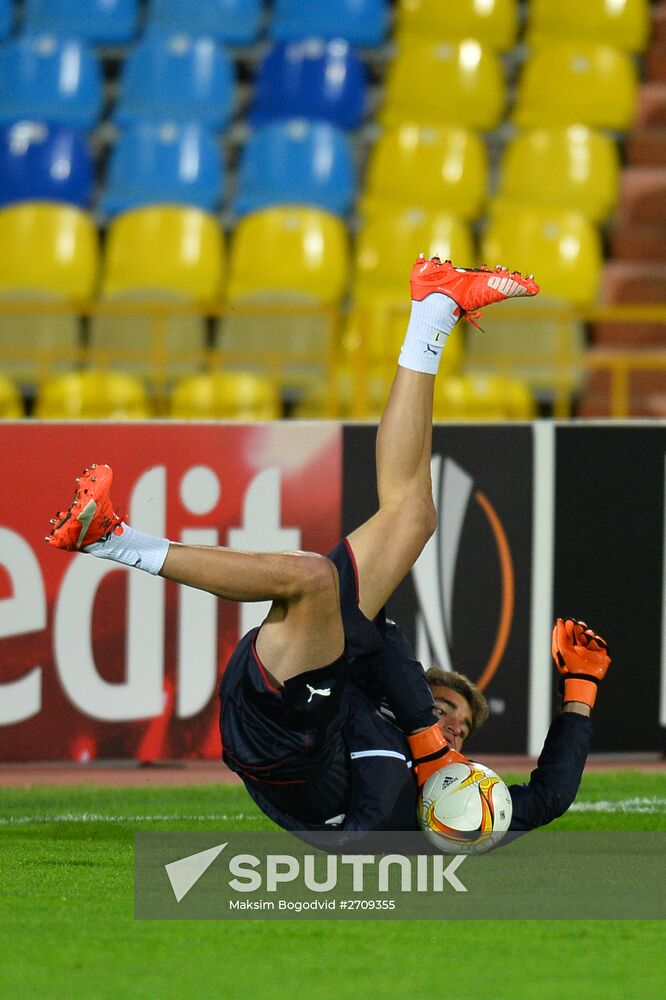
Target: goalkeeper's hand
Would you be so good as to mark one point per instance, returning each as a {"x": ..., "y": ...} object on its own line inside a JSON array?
[
  {"x": 430, "y": 751},
  {"x": 581, "y": 657}
]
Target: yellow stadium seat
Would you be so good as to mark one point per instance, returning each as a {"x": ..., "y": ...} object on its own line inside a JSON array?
[
  {"x": 389, "y": 242},
  {"x": 288, "y": 273},
  {"x": 442, "y": 82},
  {"x": 11, "y": 404},
  {"x": 225, "y": 396},
  {"x": 93, "y": 395},
  {"x": 158, "y": 254},
  {"x": 493, "y": 22},
  {"x": 624, "y": 24},
  {"x": 562, "y": 249},
  {"x": 292, "y": 253},
  {"x": 49, "y": 253},
  {"x": 574, "y": 168},
  {"x": 536, "y": 340},
  {"x": 577, "y": 83},
  {"x": 165, "y": 248},
  {"x": 443, "y": 168},
  {"x": 472, "y": 397},
  {"x": 387, "y": 246}
]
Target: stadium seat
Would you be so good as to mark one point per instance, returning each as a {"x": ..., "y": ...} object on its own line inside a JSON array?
[
  {"x": 93, "y": 395},
  {"x": 302, "y": 253},
  {"x": 98, "y": 22},
  {"x": 360, "y": 22},
  {"x": 562, "y": 249},
  {"x": 536, "y": 340},
  {"x": 311, "y": 79},
  {"x": 53, "y": 249},
  {"x": 459, "y": 83},
  {"x": 624, "y": 24},
  {"x": 492, "y": 22},
  {"x": 596, "y": 86},
  {"x": 176, "y": 77},
  {"x": 449, "y": 163},
  {"x": 231, "y": 22},
  {"x": 54, "y": 257},
  {"x": 482, "y": 397},
  {"x": 225, "y": 396},
  {"x": 41, "y": 162},
  {"x": 7, "y": 12},
  {"x": 282, "y": 260},
  {"x": 573, "y": 168},
  {"x": 53, "y": 79},
  {"x": 296, "y": 162},
  {"x": 11, "y": 404},
  {"x": 388, "y": 244},
  {"x": 154, "y": 164},
  {"x": 158, "y": 254}
]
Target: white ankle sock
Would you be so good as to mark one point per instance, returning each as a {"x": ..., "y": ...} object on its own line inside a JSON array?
[
  {"x": 132, "y": 548},
  {"x": 430, "y": 323}
]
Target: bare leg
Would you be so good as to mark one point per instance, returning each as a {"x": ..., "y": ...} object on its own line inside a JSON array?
[
  {"x": 387, "y": 546},
  {"x": 303, "y": 629}
]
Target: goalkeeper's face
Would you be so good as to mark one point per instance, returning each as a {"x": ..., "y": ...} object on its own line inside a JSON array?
[{"x": 454, "y": 715}]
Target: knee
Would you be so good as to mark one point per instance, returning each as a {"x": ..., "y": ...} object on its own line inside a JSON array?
[{"x": 314, "y": 575}]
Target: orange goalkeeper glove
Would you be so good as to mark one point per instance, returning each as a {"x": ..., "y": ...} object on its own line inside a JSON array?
[
  {"x": 430, "y": 751},
  {"x": 581, "y": 657}
]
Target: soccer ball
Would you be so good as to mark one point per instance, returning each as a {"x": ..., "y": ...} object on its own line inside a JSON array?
[{"x": 465, "y": 808}]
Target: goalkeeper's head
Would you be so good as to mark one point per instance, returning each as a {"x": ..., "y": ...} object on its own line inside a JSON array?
[{"x": 461, "y": 708}]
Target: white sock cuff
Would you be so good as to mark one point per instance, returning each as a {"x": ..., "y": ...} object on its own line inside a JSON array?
[
  {"x": 132, "y": 548},
  {"x": 433, "y": 318},
  {"x": 430, "y": 323}
]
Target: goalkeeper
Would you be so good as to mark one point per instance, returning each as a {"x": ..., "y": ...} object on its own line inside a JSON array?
[
  {"x": 582, "y": 660},
  {"x": 300, "y": 719}
]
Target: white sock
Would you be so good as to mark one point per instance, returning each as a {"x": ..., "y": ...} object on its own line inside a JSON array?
[
  {"x": 132, "y": 548},
  {"x": 430, "y": 323}
]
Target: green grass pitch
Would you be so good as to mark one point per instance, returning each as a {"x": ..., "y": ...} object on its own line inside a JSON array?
[{"x": 67, "y": 928}]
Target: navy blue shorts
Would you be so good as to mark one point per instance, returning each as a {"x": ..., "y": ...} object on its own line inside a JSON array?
[{"x": 301, "y": 748}]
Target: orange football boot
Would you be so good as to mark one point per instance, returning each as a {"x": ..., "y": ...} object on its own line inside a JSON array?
[
  {"x": 90, "y": 516},
  {"x": 471, "y": 288}
]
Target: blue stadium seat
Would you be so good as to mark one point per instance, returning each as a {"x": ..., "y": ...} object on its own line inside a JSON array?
[
  {"x": 176, "y": 77},
  {"x": 311, "y": 79},
  {"x": 98, "y": 22},
  {"x": 41, "y": 162},
  {"x": 154, "y": 164},
  {"x": 361, "y": 22},
  {"x": 7, "y": 11},
  {"x": 232, "y": 22},
  {"x": 296, "y": 162},
  {"x": 50, "y": 78}
]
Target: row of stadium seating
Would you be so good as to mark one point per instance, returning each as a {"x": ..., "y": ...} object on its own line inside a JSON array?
[
  {"x": 191, "y": 78},
  {"x": 308, "y": 162},
  {"x": 624, "y": 23},
  {"x": 98, "y": 394},
  {"x": 234, "y": 22},
  {"x": 291, "y": 253},
  {"x": 275, "y": 296}
]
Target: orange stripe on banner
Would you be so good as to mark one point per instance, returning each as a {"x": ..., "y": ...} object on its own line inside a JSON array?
[{"x": 508, "y": 590}]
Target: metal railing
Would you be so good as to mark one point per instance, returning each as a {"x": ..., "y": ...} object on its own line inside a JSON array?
[{"x": 314, "y": 368}]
